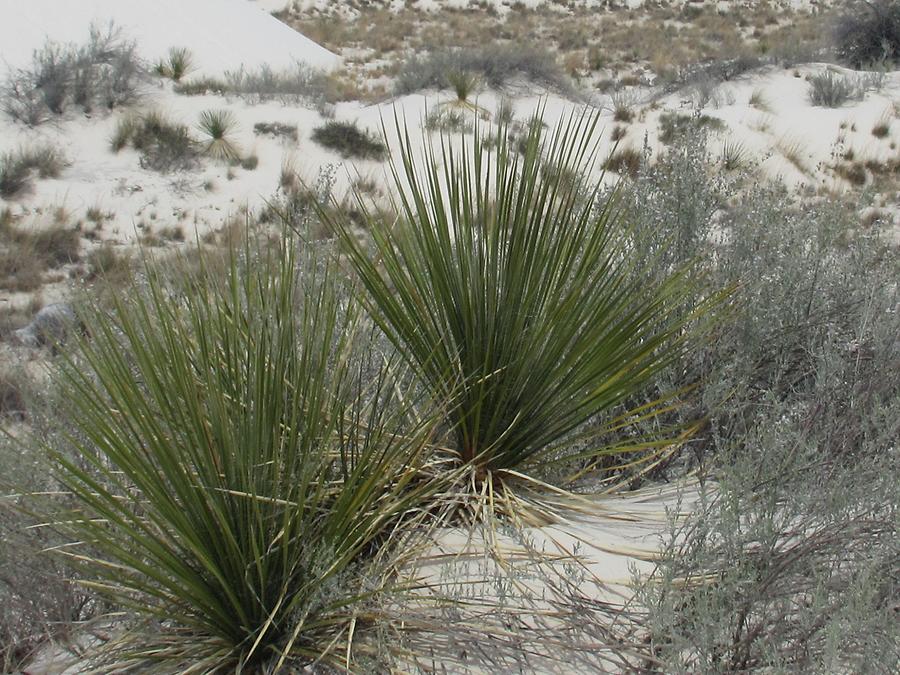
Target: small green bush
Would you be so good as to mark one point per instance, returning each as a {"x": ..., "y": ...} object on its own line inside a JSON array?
[{"x": 348, "y": 140}]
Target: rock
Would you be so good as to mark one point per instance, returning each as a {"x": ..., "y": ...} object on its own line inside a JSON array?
[{"x": 50, "y": 326}]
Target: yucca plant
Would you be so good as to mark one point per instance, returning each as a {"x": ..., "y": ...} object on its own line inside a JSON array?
[
  {"x": 508, "y": 287},
  {"x": 464, "y": 83},
  {"x": 233, "y": 481},
  {"x": 179, "y": 63},
  {"x": 219, "y": 125}
]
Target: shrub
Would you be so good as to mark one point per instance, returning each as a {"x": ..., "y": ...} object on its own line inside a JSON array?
[
  {"x": 624, "y": 161},
  {"x": 830, "y": 90},
  {"x": 498, "y": 65},
  {"x": 15, "y": 175},
  {"x": 276, "y": 129},
  {"x": 449, "y": 119},
  {"x": 164, "y": 145},
  {"x": 509, "y": 296},
  {"x": 105, "y": 73},
  {"x": 107, "y": 263},
  {"x": 673, "y": 125},
  {"x": 785, "y": 564},
  {"x": 869, "y": 32},
  {"x": 348, "y": 140},
  {"x": 299, "y": 84},
  {"x": 272, "y": 480},
  {"x": 219, "y": 125}
]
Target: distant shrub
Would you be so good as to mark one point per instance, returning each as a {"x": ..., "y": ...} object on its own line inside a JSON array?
[
  {"x": 276, "y": 129},
  {"x": 348, "y": 140},
  {"x": 673, "y": 125},
  {"x": 104, "y": 73},
  {"x": 868, "y": 32},
  {"x": 164, "y": 145},
  {"x": 830, "y": 90},
  {"x": 624, "y": 161},
  {"x": 13, "y": 387},
  {"x": 301, "y": 84},
  {"x": 497, "y": 65}
]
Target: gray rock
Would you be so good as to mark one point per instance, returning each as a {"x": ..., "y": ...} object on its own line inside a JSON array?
[{"x": 50, "y": 326}]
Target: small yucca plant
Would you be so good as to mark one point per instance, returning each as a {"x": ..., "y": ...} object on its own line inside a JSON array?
[
  {"x": 176, "y": 65},
  {"x": 232, "y": 481},
  {"x": 510, "y": 291},
  {"x": 219, "y": 125},
  {"x": 464, "y": 83}
]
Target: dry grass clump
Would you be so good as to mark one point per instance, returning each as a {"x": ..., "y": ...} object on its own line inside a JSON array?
[
  {"x": 624, "y": 161},
  {"x": 25, "y": 255},
  {"x": 18, "y": 167}
]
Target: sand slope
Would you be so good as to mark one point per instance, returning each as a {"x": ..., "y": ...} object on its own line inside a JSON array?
[{"x": 222, "y": 34}]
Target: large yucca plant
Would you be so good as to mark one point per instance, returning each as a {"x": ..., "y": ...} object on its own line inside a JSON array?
[
  {"x": 507, "y": 285},
  {"x": 232, "y": 479}
]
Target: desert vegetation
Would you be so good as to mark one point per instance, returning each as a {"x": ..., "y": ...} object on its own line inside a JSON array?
[{"x": 577, "y": 353}]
